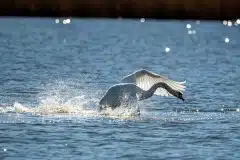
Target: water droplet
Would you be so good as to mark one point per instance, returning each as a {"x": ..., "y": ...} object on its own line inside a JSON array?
[
  {"x": 189, "y": 32},
  {"x": 142, "y": 20},
  {"x": 56, "y": 20},
  {"x": 4, "y": 149},
  {"x": 198, "y": 21},
  {"x": 188, "y": 26},
  {"x": 225, "y": 22},
  {"x": 238, "y": 110},
  {"x": 167, "y": 49},
  {"x": 66, "y": 144},
  {"x": 227, "y": 40},
  {"x": 193, "y": 32},
  {"x": 64, "y": 21}
]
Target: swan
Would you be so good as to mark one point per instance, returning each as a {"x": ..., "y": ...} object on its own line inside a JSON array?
[
  {"x": 140, "y": 85},
  {"x": 117, "y": 94},
  {"x": 146, "y": 79}
]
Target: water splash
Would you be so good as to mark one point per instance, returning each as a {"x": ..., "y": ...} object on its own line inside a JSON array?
[
  {"x": 77, "y": 106},
  {"x": 61, "y": 98},
  {"x": 82, "y": 109}
]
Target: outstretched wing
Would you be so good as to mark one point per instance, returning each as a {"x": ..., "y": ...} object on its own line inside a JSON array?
[{"x": 146, "y": 79}]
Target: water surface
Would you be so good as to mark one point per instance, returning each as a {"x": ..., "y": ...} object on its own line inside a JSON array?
[{"x": 52, "y": 75}]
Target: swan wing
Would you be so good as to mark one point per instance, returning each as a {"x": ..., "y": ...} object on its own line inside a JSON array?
[{"x": 146, "y": 79}]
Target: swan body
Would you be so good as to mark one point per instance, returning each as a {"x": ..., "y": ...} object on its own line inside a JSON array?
[{"x": 119, "y": 93}]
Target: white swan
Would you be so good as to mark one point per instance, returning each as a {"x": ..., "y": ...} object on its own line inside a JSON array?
[{"x": 141, "y": 85}]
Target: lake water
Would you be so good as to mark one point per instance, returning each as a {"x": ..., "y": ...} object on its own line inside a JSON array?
[{"x": 52, "y": 76}]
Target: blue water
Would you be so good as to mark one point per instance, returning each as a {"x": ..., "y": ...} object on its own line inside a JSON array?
[{"x": 52, "y": 75}]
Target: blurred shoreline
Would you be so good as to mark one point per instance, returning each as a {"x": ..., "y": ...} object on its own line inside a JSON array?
[{"x": 155, "y": 9}]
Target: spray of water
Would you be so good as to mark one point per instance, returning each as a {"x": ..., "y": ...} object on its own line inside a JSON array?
[{"x": 62, "y": 99}]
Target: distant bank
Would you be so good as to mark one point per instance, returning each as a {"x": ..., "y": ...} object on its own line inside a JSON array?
[{"x": 164, "y": 9}]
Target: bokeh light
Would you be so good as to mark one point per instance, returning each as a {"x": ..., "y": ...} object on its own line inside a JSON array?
[
  {"x": 227, "y": 40},
  {"x": 225, "y": 22},
  {"x": 142, "y": 20},
  {"x": 56, "y": 20},
  {"x": 167, "y": 49},
  {"x": 188, "y": 26}
]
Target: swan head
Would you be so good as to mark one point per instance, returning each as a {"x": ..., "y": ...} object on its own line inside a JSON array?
[{"x": 180, "y": 96}]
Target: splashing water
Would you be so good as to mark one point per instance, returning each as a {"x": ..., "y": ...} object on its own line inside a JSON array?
[
  {"x": 62, "y": 100},
  {"x": 52, "y": 107}
]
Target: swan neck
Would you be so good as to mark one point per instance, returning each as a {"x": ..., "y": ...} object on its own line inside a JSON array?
[{"x": 149, "y": 93}]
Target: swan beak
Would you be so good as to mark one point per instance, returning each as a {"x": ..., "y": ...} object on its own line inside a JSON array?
[{"x": 181, "y": 97}]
